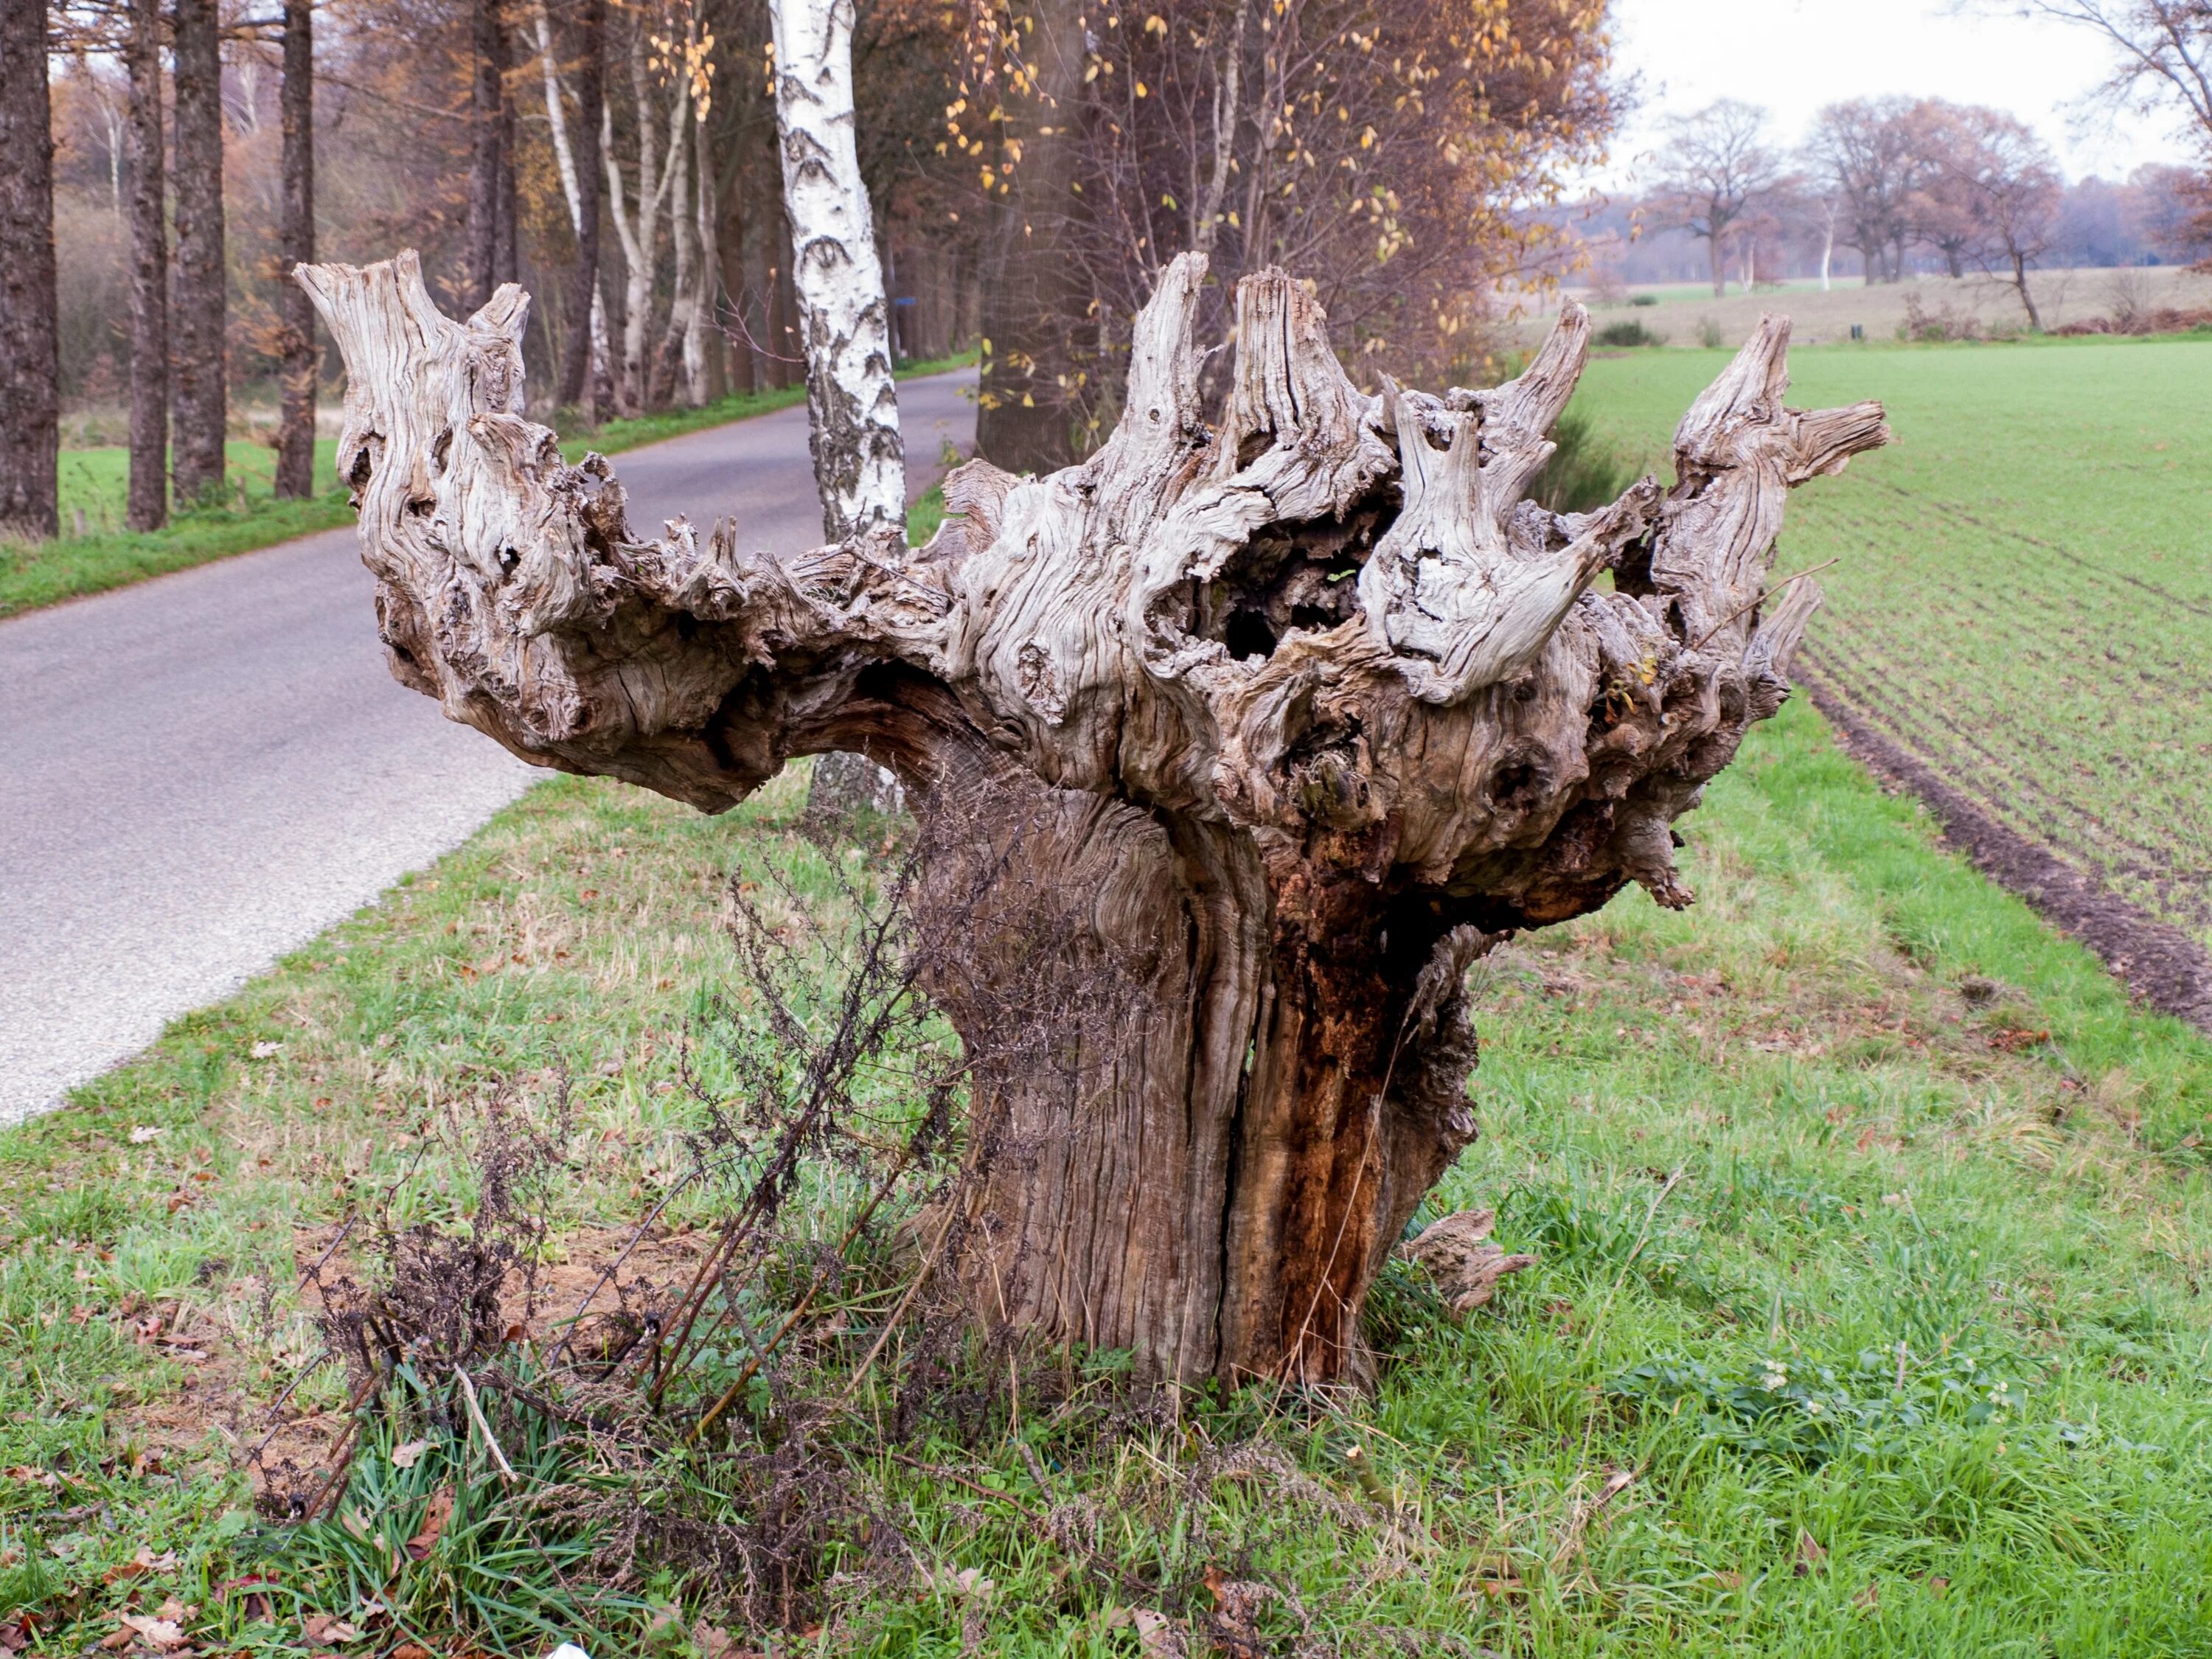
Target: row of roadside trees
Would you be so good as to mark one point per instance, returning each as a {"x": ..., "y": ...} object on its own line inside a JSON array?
[
  {"x": 1032, "y": 165},
  {"x": 1966, "y": 188},
  {"x": 1972, "y": 185}
]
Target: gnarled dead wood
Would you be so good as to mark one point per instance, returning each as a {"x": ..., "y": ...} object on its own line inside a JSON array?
[{"x": 1306, "y": 702}]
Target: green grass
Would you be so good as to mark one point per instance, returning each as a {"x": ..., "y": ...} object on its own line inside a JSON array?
[
  {"x": 2021, "y": 597},
  {"x": 1856, "y": 1097},
  {"x": 94, "y": 481}
]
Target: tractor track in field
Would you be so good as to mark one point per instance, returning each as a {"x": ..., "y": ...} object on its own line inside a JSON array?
[
  {"x": 2164, "y": 967},
  {"x": 1910, "y": 721}
]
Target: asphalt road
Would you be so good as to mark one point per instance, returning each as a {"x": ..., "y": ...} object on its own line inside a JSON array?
[{"x": 202, "y": 772}]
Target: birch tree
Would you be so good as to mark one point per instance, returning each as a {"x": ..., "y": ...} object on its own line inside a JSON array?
[{"x": 860, "y": 463}]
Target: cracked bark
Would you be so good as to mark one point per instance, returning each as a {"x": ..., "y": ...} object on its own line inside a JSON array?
[
  {"x": 146, "y": 506},
  {"x": 30, "y": 361},
  {"x": 1303, "y": 707},
  {"x": 198, "y": 377},
  {"x": 295, "y": 433}
]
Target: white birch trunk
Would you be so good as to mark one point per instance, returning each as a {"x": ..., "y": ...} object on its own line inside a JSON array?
[
  {"x": 636, "y": 232},
  {"x": 565, "y": 158},
  {"x": 860, "y": 463}
]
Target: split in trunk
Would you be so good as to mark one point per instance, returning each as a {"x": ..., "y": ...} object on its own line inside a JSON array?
[
  {"x": 198, "y": 379},
  {"x": 1306, "y": 706}
]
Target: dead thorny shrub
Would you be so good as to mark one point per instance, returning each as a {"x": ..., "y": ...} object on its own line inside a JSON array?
[
  {"x": 434, "y": 1298},
  {"x": 736, "y": 1428}
]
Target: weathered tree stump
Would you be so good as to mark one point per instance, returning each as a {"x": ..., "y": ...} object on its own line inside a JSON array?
[{"x": 1307, "y": 708}]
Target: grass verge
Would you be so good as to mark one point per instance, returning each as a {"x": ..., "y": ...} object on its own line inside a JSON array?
[
  {"x": 93, "y": 482},
  {"x": 1871, "y": 1226}
]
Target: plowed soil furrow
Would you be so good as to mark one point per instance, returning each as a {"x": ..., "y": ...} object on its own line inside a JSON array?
[{"x": 1994, "y": 775}]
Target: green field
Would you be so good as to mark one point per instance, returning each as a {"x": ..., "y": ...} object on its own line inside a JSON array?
[{"x": 2023, "y": 596}]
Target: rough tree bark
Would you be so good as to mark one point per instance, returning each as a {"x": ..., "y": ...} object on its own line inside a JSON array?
[
  {"x": 295, "y": 431},
  {"x": 30, "y": 358},
  {"x": 146, "y": 506},
  {"x": 1305, "y": 706},
  {"x": 860, "y": 463},
  {"x": 199, "y": 376}
]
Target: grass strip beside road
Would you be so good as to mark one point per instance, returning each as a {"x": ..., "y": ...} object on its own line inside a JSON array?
[
  {"x": 1871, "y": 1226},
  {"x": 93, "y": 482}
]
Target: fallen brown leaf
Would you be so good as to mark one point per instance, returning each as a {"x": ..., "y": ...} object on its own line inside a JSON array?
[
  {"x": 328, "y": 1627},
  {"x": 407, "y": 1453},
  {"x": 1869, "y": 1598},
  {"x": 434, "y": 1524},
  {"x": 1809, "y": 1554},
  {"x": 162, "y": 1635}
]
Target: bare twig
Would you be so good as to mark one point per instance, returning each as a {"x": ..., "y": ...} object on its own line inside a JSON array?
[{"x": 475, "y": 1415}]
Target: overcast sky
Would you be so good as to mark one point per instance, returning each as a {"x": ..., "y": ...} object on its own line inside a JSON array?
[{"x": 1794, "y": 56}]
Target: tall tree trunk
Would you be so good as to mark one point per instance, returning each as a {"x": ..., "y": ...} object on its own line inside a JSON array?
[
  {"x": 1714, "y": 259},
  {"x": 639, "y": 230},
  {"x": 668, "y": 362},
  {"x": 147, "y": 505},
  {"x": 703, "y": 338},
  {"x": 1033, "y": 301},
  {"x": 1228, "y": 111},
  {"x": 199, "y": 388},
  {"x": 1289, "y": 714},
  {"x": 2027, "y": 298},
  {"x": 583, "y": 206},
  {"x": 487, "y": 131},
  {"x": 860, "y": 463},
  {"x": 30, "y": 358},
  {"x": 507, "y": 227},
  {"x": 295, "y": 434}
]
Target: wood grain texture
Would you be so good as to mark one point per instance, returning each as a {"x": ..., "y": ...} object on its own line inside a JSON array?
[{"x": 1304, "y": 706}]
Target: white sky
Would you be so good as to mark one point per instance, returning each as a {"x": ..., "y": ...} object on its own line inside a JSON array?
[{"x": 1794, "y": 56}]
